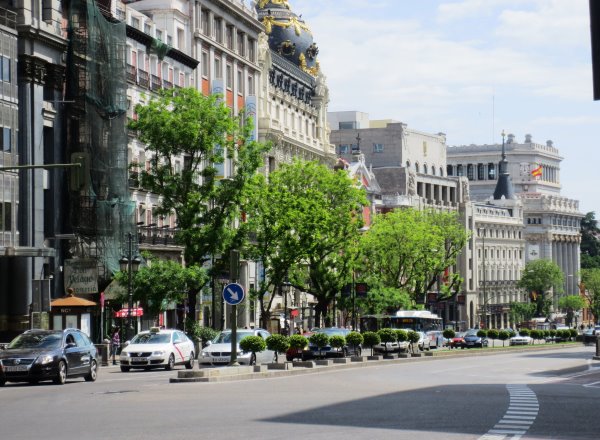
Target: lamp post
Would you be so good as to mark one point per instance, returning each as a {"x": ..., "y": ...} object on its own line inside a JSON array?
[
  {"x": 285, "y": 291},
  {"x": 129, "y": 264}
]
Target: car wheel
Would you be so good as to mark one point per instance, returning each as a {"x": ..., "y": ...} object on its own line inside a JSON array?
[
  {"x": 252, "y": 359},
  {"x": 61, "y": 376},
  {"x": 125, "y": 369},
  {"x": 171, "y": 363},
  {"x": 190, "y": 363},
  {"x": 93, "y": 373},
  {"x": 2, "y": 382}
]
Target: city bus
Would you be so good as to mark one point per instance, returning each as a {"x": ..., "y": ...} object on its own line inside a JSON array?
[{"x": 418, "y": 320}]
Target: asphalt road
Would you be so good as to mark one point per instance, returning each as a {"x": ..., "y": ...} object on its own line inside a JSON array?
[{"x": 531, "y": 395}]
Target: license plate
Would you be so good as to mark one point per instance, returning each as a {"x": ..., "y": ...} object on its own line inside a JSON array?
[
  {"x": 9, "y": 369},
  {"x": 221, "y": 359},
  {"x": 139, "y": 360}
]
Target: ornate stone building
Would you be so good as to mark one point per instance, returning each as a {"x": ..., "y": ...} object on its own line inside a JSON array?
[
  {"x": 293, "y": 93},
  {"x": 551, "y": 221}
]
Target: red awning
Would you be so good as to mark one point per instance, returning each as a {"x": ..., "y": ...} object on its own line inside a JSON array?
[{"x": 124, "y": 313}]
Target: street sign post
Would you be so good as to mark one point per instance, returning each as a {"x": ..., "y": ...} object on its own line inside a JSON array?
[{"x": 233, "y": 294}]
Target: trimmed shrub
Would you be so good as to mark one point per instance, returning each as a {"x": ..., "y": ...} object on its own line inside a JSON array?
[
  {"x": 278, "y": 343},
  {"x": 492, "y": 334},
  {"x": 413, "y": 338},
  {"x": 449, "y": 333},
  {"x": 254, "y": 344},
  {"x": 482, "y": 333},
  {"x": 401, "y": 335},
  {"x": 387, "y": 335},
  {"x": 205, "y": 334},
  {"x": 503, "y": 335},
  {"x": 354, "y": 339},
  {"x": 535, "y": 334},
  {"x": 573, "y": 332},
  {"x": 320, "y": 340},
  {"x": 370, "y": 339},
  {"x": 337, "y": 341},
  {"x": 524, "y": 332},
  {"x": 297, "y": 341},
  {"x": 512, "y": 333}
]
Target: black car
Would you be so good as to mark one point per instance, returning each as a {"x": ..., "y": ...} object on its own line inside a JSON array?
[
  {"x": 472, "y": 340},
  {"x": 38, "y": 355},
  {"x": 312, "y": 351}
]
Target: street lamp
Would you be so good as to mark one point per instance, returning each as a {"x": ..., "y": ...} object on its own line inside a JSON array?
[
  {"x": 129, "y": 264},
  {"x": 286, "y": 286}
]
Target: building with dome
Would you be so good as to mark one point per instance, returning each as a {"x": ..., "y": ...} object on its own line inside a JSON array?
[{"x": 293, "y": 93}]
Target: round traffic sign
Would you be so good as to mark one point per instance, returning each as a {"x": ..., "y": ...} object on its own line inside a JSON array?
[{"x": 233, "y": 293}]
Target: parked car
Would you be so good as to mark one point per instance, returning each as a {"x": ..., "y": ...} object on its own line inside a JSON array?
[
  {"x": 589, "y": 334},
  {"x": 158, "y": 348},
  {"x": 39, "y": 355},
  {"x": 458, "y": 340},
  {"x": 218, "y": 351},
  {"x": 296, "y": 353},
  {"x": 424, "y": 341},
  {"x": 312, "y": 351},
  {"x": 520, "y": 340},
  {"x": 391, "y": 347},
  {"x": 436, "y": 338},
  {"x": 472, "y": 340}
]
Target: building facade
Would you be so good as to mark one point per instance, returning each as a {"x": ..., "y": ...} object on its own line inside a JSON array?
[{"x": 551, "y": 222}]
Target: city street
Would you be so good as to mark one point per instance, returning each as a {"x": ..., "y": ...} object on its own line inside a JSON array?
[{"x": 536, "y": 395}]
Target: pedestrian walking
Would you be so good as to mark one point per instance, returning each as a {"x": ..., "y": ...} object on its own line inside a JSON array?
[{"x": 115, "y": 343}]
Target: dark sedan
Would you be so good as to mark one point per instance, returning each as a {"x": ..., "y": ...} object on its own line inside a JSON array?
[
  {"x": 472, "y": 340},
  {"x": 39, "y": 355}
]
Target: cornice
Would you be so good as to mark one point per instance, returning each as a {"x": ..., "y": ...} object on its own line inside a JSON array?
[
  {"x": 28, "y": 32},
  {"x": 145, "y": 39}
]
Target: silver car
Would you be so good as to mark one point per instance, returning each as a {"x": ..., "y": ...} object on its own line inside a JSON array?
[{"x": 218, "y": 351}]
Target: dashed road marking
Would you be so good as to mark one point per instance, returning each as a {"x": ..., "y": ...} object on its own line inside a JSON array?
[{"x": 522, "y": 411}]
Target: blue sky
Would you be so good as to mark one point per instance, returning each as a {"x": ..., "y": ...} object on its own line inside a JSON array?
[{"x": 468, "y": 68}]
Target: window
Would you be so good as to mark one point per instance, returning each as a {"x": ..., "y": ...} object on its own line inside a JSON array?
[
  {"x": 204, "y": 22},
  {"x": 180, "y": 39},
  {"x": 425, "y": 168},
  {"x": 229, "y": 77},
  {"x": 4, "y": 69},
  {"x": 147, "y": 29},
  {"x": 433, "y": 170},
  {"x": 491, "y": 171},
  {"x": 135, "y": 22},
  {"x": 459, "y": 170},
  {"x": 417, "y": 168},
  {"x": 229, "y": 34},
  {"x": 251, "y": 51},
  {"x": 158, "y": 34},
  {"x": 218, "y": 70},
  {"x": 5, "y": 216},
  {"x": 205, "y": 64},
  {"x": 240, "y": 44},
  {"x": 470, "y": 175},
  {"x": 240, "y": 82},
  {"x": 347, "y": 125},
  {"x": 441, "y": 171},
  {"x": 169, "y": 40},
  {"x": 218, "y": 30},
  {"x": 344, "y": 149},
  {"x": 449, "y": 170},
  {"x": 250, "y": 85},
  {"x": 480, "y": 172},
  {"x": 377, "y": 148},
  {"x": 5, "y": 140}
]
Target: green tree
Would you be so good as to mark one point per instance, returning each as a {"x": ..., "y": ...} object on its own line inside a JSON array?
[
  {"x": 571, "y": 304},
  {"x": 492, "y": 334},
  {"x": 590, "y": 279},
  {"x": 337, "y": 341},
  {"x": 410, "y": 250},
  {"x": 520, "y": 312},
  {"x": 187, "y": 136},
  {"x": 371, "y": 339},
  {"x": 355, "y": 339},
  {"x": 413, "y": 338},
  {"x": 538, "y": 277},
  {"x": 503, "y": 335},
  {"x": 161, "y": 282},
  {"x": 305, "y": 224},
  {"x": 320, "y": 340},
  {"x": 253, "y": 344},
  {"x": 278, "y": 343},
  {"x": 590, "y": 242},
  {"x": 387, "y": 336}
]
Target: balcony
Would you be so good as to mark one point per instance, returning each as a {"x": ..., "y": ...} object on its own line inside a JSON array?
[
  {"x": 167, "y": 84},
  {"x": 131, "y": 73},
  {"x": 153, "y": 235},
  {"x": 143, "y": 78},
  {"x": 155, "y": 83}
]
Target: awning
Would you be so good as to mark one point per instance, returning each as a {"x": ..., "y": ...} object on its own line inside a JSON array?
[
  {"x": 124, "y": 313},
  {"x": 72, "y": 301}
]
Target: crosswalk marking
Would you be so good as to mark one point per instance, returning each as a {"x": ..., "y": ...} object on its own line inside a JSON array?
[{"x": 523, "y": 408}]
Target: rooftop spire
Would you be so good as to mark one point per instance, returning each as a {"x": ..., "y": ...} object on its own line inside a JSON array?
[{"x": 504, "y": 187}]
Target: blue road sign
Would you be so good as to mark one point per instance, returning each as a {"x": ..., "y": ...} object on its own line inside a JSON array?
[{"x": 233, "y": 294}]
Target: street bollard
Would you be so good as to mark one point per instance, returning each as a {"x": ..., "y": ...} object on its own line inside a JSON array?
[{"x": 597, "y": 347}]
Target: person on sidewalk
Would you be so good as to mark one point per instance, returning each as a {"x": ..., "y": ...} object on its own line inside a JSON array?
[{"x": 115, "y": 343}]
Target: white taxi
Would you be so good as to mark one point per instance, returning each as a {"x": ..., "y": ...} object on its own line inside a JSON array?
[{"x": 158, "y": 348}]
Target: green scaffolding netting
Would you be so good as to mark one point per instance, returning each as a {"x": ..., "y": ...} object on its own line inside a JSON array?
[{"x": 103, "y": 213}]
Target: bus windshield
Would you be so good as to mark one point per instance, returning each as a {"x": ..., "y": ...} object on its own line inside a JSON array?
[{"x": 418, "y": 320}]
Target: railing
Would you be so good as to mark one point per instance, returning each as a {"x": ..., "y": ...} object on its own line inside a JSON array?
[
  {"x": 143, "y": 78},
  {"x": 167, "y": 84},
  {"x": 155, "y": 83},
  {"x": 157, "y": 236},
  {"x": 131, "y": 73}
]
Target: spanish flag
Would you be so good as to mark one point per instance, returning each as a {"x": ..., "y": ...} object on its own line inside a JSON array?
[{"x": 537, "y": 172}]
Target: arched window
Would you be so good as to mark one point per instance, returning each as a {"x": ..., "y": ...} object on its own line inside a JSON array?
[
  {"x": 417, "y": 167},
  {"x": 408, "y": 164},
  {"x": 449, "y": 170},
  {"x": 425, "y": 169},
  {"x": 441, "y": 171},
  {"x": 433, "y": 170},
  {"x": 459, "y": 170}
]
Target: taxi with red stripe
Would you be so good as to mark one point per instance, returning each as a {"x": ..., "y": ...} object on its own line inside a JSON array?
[{"x": 158, "y": 348}]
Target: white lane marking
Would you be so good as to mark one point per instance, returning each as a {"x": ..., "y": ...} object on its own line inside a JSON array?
[
  {"x": 523, "y": 408},
  {"x": 593, "y": 385}
]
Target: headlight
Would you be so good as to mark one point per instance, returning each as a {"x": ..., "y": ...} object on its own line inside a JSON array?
[
  {"x": 158, "y": 353},
  {"x": 204, "y": 353},
  {"x": 45, "y": 359},
  {"x": 124, "y": 354}
]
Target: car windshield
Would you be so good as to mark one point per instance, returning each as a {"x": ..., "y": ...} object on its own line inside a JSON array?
[
  {"x": 471, "y": 334},
  {"x": 152, "y": 338},
  {"x": 225, "y": 337},
  {"x": 333, "y": 331},
  {"x": 36, "y": 340}
]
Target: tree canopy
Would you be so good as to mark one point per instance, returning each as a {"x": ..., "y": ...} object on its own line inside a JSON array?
[
  {"x": 590, "y": 279},
  {"x": 538, "y": 277},
  {"x": 590, "y": 242}
]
